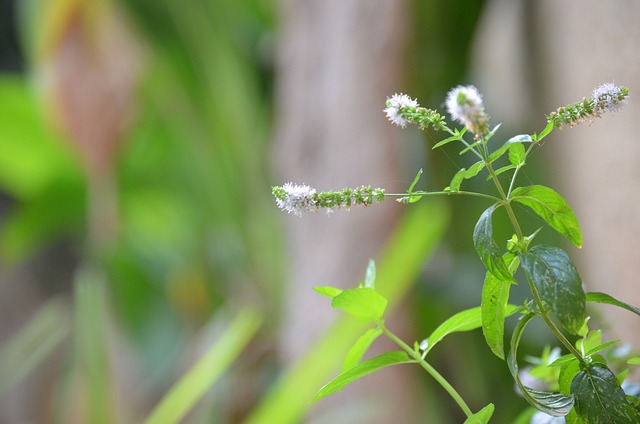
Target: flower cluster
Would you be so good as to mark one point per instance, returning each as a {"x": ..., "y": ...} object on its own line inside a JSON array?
[
  {"x": 402, "y": 110},
  {"x": 297, "y": 199},
  {"x": 464, "y": 104},
  {"x": 606, "y": 98}
]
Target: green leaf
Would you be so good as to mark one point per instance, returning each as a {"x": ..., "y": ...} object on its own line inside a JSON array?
[
  {"x": 457, "y": 136},
  {"x": 415, "y": 181},
  {"x": 370, "y": 275},
  {"x": 328, "y": 291},
  {"x": 501, "y": 170},
  {"x": 355, "y": 354},
  {"x": 361, "y": 370},
  {"x": 600, "y": 399},
  {"x": 470, "y": 147},
  {"x": 516, "y": 154},
  {"x": 554, "y": 404},
  {"x": 497, "y": 154},
  {"x": 558, "y": 283},
  {"x": 551, "y": 207},
  {"x": 634, "y": 361},
  {"x": 487, "y": 248},
  {"x": 545, "y": 132},
  {"x": 601, "y": 347},
  {"x": 495, "y": 296},
  {"x": 466, "y": 320},
  {"x": 474, "y": 170},
  {"x": 363, "y": 303},
  {"x": 598, "y": 297},
  {"x": 457, "y": 180},
  {"x": 482, "y": 416}
]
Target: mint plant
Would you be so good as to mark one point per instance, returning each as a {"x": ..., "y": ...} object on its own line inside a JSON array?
[{"x": 581, "y": 385}]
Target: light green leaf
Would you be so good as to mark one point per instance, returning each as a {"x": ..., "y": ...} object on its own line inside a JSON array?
[
  {"x": 558, "y": 283},
  {"x": 634, "y": 361},
  {"x": 466, "y": 320},
  {"x": 487, "y": 248},
  {"x": 545, "y": 132},
  {"x": 363, "y": 369},
  {"x": 355, "y": 354},
  {"x": 554, "y": 404},
  {"x": 516, "y": 154},
  {"x": 328, "y": 291},
  {"x": 605, "y": 298},
  {"x": 363, "y": 303},
  {"x": 521, "y": 138},
  {"x": 474, "y": 170},
  {"x": 482, "y": 416},
  {"x": 415, "y": 181},
  {"x": 457, "y": 180},
  {"x": 551, "y": 207},
  {"x": 501, "y": 170},
  {"x": 457, "y": 135},
  {"x": 600, "y": 399}
]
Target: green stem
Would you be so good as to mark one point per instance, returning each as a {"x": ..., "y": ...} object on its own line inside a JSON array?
[
  {"x": 432, "y": 371},
  {"x": 507, "y": 205},
  {"x": 552, "y": 326},
  {"x": 446, "y": 193}
]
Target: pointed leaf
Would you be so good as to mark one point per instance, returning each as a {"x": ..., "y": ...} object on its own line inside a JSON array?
[
  {"x": 495, "y": 296},
  {"x": 545, "y": 132},
  {"x": 355, "y": 354},
  {"x": 363, "y": 303},
  {"x": 551, "y": 207},
  {"x": 554, "y": 404},
  {"x": 474, "y": 170},
  {"x": 605, "y": 298},
  {"x": 328, "y": 291},
  {"x": 457, "y": 180},
  {"x": 361, "y": 370},
  {"x": 457, "y": 136},
  {"x": 516, "y": 154},
  {"x": 415, "y": 181},
  {"x": 466, "y": 320},
  {"x": 482, "y": 416},
  {"x": 558, "y": 283},
  {"x": 600, "y": 399},
  {"x": 487, "y": 248}
]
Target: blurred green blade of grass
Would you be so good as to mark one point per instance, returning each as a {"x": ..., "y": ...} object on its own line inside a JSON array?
[
  {"x": 187, "y": 391},
  {"x": 415, "y": 238},
  {"x": 92, "y": 363},
  {"x": 33, "y": 343}
]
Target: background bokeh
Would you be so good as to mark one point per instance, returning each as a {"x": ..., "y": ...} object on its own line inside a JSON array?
[{"x": 139, "y": 141}]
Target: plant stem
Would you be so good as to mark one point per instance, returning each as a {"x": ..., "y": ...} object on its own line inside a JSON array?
[
  {"x": 432, "y": 371},
  {"x": 446, "y": 193},
  {"x": 507, "y": 205}
]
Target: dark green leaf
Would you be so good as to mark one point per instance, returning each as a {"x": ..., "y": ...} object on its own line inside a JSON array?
[
  {"x": 487, "y": 248},
  {"x": 598, "y": 297},
  {"x": 600, "y": 399},
  {"x": 474, "y": 170},
  {"x": 551, "y": 207},
  {"x": 482, "y": 416},
  {"x": 516, "y": 154},
  {"x": 370, "y": 276},
  {"x": 363, "y": 369},
  {"x": 554, "y": 404},
  {"x": 466, "y": 320},
  {"x": 355, "y": 354},
  {"x": 328, "y": 291},
  {"x": 457, "y": 180},
  {"x": 558, "y": 283},
  {"x": 363, "y": 303}
]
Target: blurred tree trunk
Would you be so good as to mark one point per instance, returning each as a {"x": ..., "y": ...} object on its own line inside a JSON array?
[
  {"x": 338, "y": 61},
  {"x": 555, "y": 54}
]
